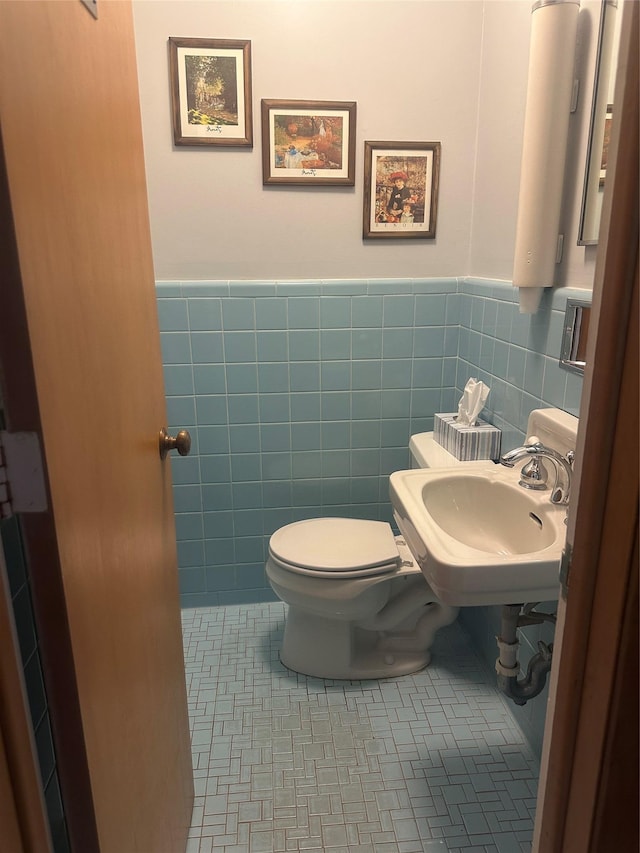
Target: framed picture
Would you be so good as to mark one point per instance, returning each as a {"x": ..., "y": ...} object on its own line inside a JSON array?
[
  {"x": 401, "y": 189},
  {"x": 309, "y": 142},
  {"x": 211, "y": 91},
  {"x": 605, "y": 144}
]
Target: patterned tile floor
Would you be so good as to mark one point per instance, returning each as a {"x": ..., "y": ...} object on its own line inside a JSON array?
[{"x": 426, "y": 763}]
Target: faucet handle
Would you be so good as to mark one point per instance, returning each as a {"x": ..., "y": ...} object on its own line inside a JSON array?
[{"x": 534, "y": 475}]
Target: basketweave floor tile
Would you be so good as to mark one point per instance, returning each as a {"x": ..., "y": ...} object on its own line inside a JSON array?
[{"x": 427, "y": 763}]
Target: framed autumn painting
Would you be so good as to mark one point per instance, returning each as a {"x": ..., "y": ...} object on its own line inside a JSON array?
[{"x": 308, "y": 142}]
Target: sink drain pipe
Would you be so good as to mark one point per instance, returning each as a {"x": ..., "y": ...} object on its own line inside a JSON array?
[{"x": 507, "y": 666}]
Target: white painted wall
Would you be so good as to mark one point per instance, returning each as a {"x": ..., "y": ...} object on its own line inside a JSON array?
[{"x": 453, "y": 71}]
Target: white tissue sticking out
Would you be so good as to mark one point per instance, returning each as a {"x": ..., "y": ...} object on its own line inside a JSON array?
[{"x": 472, "y": 402}]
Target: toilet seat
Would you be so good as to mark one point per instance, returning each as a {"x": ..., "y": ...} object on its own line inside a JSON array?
[{"x": 335, "y": 548}]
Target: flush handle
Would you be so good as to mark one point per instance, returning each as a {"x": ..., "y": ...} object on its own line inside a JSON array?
[{"x": 180, "y": 442}]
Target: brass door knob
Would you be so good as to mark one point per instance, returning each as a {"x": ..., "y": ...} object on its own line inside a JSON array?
[{"x": 180, "y": 442}]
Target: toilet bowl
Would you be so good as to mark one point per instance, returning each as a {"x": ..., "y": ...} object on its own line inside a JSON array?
[{"x": 358, "y": 604}]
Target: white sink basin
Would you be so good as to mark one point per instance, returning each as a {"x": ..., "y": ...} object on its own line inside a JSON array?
[{"x": 478, "y": 536}]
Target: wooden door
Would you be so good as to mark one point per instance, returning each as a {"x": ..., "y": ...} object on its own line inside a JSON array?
[
  {"x": 589, "y": 782},
  {"x": 80, "y": 292}
]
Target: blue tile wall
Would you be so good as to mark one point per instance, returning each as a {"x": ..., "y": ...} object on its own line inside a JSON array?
[
  {"x": 301, "y": 397},
  {"x": 517, "y": 356}
]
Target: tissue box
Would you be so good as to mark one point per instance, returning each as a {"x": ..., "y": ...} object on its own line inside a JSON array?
[{"x": 481, "y": 441}]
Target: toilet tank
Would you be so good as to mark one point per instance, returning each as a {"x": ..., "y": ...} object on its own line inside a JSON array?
[{"x": 425, "y": 452}]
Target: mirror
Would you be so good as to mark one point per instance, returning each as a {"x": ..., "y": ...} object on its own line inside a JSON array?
[
  {"x": 601, "y": 116},
  {"x": 573, "y": 353}
]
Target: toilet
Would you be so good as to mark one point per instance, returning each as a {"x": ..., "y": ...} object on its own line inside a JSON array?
[{"x": 358, "y": 604}]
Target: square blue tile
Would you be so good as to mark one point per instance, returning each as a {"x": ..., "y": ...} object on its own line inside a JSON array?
[
  {"x": 366, "y": 375},
  {"x": 172, "y": 315},
  {"x": 205, "y": 315},
  {"x": 272, "y": 346},
  {"x": 246, "y": 495},
  {"x": 206, "y": 347},
  {"x": 305, "y": 407},
  {"x": 335, "y": 376},
  {"x": 238, "y": 314},
  {"x": 213, "y": 439},
  {"x": 427, "y": 372},
  {"x": 243, "y": 408},
  {"x": 399, "y": 310},
  {"x": 178, "y": 379},
  {"x": 304, "y": 376},
  {"x": 431, "y": 309},
  {"x": 366, "y": 405},
  {"x": 271, "y": 313},
  {"x": 366, "y": 312},
  {"x": 305, "y": 436},
  {"x": 335, "y": 344},
  {"x": 428, "y": 342},
  {"x": 209, "y": 379},
  {"x": 304, "y": 346},
  {"x": 245, "y": 438},
  {"x": 276, "y": 466},
  {"x": 396, "y": 373},
  {"x": 239, "y": 346},
  {"x": 398, "y": 343},
  {"x": 241, "y": 378},
  {"x": 211, "y": 409},
  {"x": 277, "y": 437},
  {"x": 176, "y": 347},
  {"x": 274, "y": 408},
  {"x": 366, "y": 343},
  {"x": 273, "y": 378},
  {"x": 307, "y": 464},
  {"x": 335, "y": 312},
  {"x": 303, "y": 312},
  {"x": 216, "y": 496},
  {"x": 218, "y": 524},
  {"x": 335, "y": 406},
  {"x": 366, "y": 433},
  {"x": 215, "y": 469}
]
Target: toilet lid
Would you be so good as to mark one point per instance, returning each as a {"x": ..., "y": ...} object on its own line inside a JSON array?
[{"x": 336, "y": 545}]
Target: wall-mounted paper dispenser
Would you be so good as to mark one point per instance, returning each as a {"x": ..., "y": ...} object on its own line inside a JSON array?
[
  {"x": 546, "y": 129},
  {"x": 573, "y": 354}
]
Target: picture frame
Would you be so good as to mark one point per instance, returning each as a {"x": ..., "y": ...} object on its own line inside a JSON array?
[
  {"x": 308, "y": 142},
  {"x": 401, "y": 181},
  {"x": 211, "y": 91}
]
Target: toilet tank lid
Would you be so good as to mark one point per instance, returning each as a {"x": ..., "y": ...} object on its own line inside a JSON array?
[
  {"x": 427, "y": 453},
  {"x": 335, "y": 544}
]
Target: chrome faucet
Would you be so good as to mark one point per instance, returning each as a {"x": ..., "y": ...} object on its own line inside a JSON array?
[{"x": 533, "y": 474}]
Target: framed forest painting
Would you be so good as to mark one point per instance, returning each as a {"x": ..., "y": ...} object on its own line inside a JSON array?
[{"x": 211, "y": 91}]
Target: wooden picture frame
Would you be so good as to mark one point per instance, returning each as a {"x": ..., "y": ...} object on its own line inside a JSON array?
[
  {"x": 401, "y": 189},
  {"x": 309, "y": 142},
  {"x": 211, "y": 91}
]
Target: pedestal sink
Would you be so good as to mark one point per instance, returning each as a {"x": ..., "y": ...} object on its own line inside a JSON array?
[{"x": 478, "y": 536}]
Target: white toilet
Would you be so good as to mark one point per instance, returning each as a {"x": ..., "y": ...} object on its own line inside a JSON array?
[{"x": 358, "y": 603}]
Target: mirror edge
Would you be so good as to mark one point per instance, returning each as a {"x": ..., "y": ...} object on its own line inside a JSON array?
[{"x": 582, "y": 241}]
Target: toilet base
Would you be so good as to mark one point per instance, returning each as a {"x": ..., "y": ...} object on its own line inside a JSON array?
[{"x": 336, "y": 649}]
